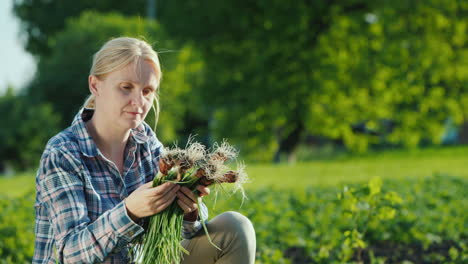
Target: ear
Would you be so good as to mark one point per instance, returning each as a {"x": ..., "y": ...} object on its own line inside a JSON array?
[{"x": 93, "y": 83}]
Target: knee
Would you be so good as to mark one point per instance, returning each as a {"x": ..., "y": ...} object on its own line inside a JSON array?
[{"x": 234, "y": 222}]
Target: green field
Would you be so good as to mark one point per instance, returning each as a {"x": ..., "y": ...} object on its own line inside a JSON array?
[
  {"x": 387, "y": 165},
  {"x": 347, "y": 169},
  {"x": 303, "y": 213}
]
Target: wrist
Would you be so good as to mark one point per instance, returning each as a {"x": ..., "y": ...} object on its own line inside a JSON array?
[
  {"x": 192, "y": 216},
  {"x": 130, "y": 214}
]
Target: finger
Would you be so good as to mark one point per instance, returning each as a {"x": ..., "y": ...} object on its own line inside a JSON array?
[
  {"x": 161, "y": 206},
  {"x": 182, "y": 196},
  {"x": 156, "y": 201},
  {"x": 186, "y": 208},
  {"x": 187, "y": 201},
  {"x": 161, "y": 200},
  {"x": 172, "y": 189},
  {"x": 188, "y": 193},
  {"x": 147, "y": 185},
  {"x": 165, "y": 188},
  {"x": 159, "y": 189},
  {"x": 165, "y": 198},
  {"x": 204, "y": 191}
]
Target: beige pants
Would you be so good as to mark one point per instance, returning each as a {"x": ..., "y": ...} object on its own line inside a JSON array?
[{"x": 230, "y": 231}]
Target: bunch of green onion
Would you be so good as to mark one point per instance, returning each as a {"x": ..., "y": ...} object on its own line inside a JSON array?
[{"x": 189, "y": 167}]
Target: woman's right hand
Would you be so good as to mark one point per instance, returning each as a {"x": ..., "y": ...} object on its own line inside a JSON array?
[{"x": 148, "y": 200}]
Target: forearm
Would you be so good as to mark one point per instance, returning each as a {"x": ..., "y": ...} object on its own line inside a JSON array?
[{"x": 93, "y": 242}]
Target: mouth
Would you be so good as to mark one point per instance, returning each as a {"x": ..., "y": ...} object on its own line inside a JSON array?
[{"x": 134, "y": 113}]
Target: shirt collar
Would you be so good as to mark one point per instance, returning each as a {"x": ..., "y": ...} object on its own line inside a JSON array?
[{"x": 85, "y": 141}]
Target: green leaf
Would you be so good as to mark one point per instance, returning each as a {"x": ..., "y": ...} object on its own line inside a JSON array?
[{"x": 375, "y": 185}]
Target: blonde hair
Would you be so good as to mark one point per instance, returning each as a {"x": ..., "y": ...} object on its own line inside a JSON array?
[{"x": 118, "y": 53}]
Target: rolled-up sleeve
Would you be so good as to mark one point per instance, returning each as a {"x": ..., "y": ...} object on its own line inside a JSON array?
[{"x": 77, "y": 238}]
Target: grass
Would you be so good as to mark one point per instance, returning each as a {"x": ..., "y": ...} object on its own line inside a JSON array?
[
  {"x": 396, "y": 164},
  {"x": 18, "y": 184},
  {"x": 390, "y": 164}
]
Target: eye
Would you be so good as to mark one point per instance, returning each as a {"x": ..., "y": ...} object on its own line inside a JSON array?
[
  {"x": 126, "y": 86},
  {"x": 147, "y": 91}
]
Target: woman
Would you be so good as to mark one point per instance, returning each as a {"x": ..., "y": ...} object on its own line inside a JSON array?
[{"x": 94, "y": 182}]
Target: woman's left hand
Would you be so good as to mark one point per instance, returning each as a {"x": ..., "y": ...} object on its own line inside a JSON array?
[{"x": 187, "y": 200}]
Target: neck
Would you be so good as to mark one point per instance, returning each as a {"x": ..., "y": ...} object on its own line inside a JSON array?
[{"x": 109, "y": 138}]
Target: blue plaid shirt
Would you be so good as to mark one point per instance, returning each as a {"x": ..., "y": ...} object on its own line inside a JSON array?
[{"x": 80, "y": 212}]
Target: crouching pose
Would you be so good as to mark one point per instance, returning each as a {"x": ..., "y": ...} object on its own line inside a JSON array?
[{"x": 94, "y": 183}]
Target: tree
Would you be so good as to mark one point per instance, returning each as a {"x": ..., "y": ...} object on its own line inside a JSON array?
[
  {"x": 61, "y": 77},
  {"x": 400, "y": 64},
  {"x": 260, "y": 58},
  {"x": 357, "y": 71},
  {"x": 25, "y": 130},
  {"x": 280, "y": 70},
  {"x": 41, "y": 19}
]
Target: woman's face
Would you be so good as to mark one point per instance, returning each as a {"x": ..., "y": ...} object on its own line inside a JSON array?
[{"x": 125, "y": 96}]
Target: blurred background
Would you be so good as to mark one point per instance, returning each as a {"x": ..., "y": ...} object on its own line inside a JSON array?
[{"x": 351, "y": 115}]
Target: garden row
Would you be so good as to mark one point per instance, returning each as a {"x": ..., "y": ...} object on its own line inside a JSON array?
[{"x": 413, "y": 220}]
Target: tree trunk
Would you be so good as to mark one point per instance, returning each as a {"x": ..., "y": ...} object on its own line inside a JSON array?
[
  {"x": 463, "y": 133},
  {"x": 288, "y": 144}
]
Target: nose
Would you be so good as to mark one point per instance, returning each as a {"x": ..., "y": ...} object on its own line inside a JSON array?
[{"x": 137, "y": 99}]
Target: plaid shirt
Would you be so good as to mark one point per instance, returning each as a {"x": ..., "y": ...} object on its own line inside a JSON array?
[{"x": 80, "y": 213}]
